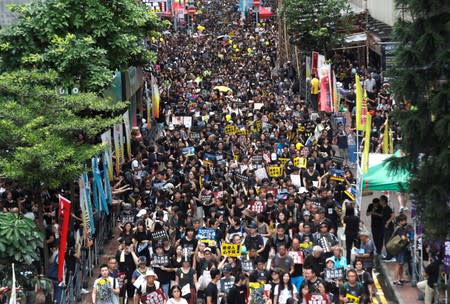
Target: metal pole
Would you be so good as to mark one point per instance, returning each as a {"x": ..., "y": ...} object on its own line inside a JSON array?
[
  {"x": 414, "y": 259},
  {"x": 367, "y": 33}
]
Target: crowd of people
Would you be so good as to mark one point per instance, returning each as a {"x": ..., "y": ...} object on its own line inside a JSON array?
[{"x": 240, "y": 196}]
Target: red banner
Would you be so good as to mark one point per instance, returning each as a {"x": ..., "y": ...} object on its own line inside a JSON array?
[
  {"x": 314, "y": 63},
  {"x": 64, "y": 215}
]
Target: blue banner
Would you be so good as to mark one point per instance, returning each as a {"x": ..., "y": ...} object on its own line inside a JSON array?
[{"x": 98, "y": 192}]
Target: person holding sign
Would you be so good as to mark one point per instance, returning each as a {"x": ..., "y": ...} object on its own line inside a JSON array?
[
  {"x": 186, "y": 279},
  {"x": 351, "y": 291}
]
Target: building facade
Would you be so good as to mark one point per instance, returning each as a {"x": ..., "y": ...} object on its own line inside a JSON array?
[{"x": 6, "y": 16}]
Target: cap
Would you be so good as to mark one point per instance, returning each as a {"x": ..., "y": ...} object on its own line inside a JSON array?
[
  {"x": 142, "y": 260},
  {"x": 207, "y": 249},
  {"x": 226, "y": 268},
  {"x": 330, "y": 259},
  {"x": 302, "y": 190},
  {"x": 252, "y": 225},
  {"x": 364, "y": 232},
  {"x": 159, "y": 244},
  {"x": 141, "y": 212},
  {"x": 306, "y": 213},
  {"x": 262, "y": 276},
  {"x": 149, "y": 272}
]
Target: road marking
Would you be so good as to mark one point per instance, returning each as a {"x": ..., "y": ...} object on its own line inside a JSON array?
[{"x": 380, "y": 293}]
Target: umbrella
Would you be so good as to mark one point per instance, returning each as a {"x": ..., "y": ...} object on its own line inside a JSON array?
[{"x": 222, "y": 88}]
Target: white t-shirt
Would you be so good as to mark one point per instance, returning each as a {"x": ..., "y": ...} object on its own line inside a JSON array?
[
  {"x": 180, "y": 301},
  {"x": 284, "y": 294}
]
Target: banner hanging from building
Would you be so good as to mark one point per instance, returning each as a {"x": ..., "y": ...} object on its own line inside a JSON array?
[{"x": 64, "y": 215}]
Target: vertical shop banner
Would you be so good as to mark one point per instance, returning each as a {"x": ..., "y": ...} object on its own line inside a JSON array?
[
  {"x": 325, "y": 89},
  {"x": 107, "y": 142},
  {"x": 117, "y": 147},
  {"x": 386, "y": 137},
  {"x": 321, "y": 61},
  {"x": 126, "y": 121},
  {"x": 122, "y": 144},
  {"x": 88, "y": 204},
  {"x": 148, "y": 105},
  {"x": 98, "y": 191},
  {"x": 308, "y": 67},
  {"x": 361, "y": 107},
  {"x": 64, "y": 215},
  {"x": 314, "y": 66},
  {"x": 365, "y": 165},
  {"x": 335, "y": 93},
  {"x": 155, "y": 98},
  {"x": 108, "y": 191}
]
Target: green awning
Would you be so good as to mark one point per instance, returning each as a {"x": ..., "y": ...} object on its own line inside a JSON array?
[{"x": 378, "y": 178}]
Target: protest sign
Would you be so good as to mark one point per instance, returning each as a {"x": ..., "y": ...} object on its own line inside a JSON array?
[
  {"x": 159, "y": 235},
  {"x": 231, "y": 250},
  {"x": 230, "y": 130},
  {"x": 297, "y": 257},
  {"x": 207, "y": 235},
  {"x": 300, "y": 162},
  {"x": 275, "y": 171},
  {"x": 188, "y": 151},
  {"x": 296, "y": 180},
  {"x": 257, "y": 206},
  {"x": 334, "y": 274},
  {"x": 261, "y": 173}
]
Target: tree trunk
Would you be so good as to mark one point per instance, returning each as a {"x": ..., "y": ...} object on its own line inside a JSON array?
[{"x": 41, "y": 225}]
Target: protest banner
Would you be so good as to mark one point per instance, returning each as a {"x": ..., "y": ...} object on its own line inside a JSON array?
[
  {"x": 231, "y": 250},
  {"x": 257, "y": 206},
  {"x": 159, "y": 235},
  {"x": 230, "y": 130},
  {"x": 275, "y": 171},
  {"x": 207, "y": 235},
  {"x": 283, "y": 160},
  {"x": 300, "y": 162},
  {"x": 297, "y": 257},
  {"x": 334, "y": 274}
]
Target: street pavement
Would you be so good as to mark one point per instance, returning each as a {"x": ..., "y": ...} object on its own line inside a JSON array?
[{"x": 391, "y": 293}]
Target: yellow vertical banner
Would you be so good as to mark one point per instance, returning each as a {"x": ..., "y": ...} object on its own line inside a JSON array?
[
  {"x": 155, "y": 98},
  {"x": 359, "y": 104},
  {"x": 386, "y": 137},
  {"x": 116, "y": 135},
  {"x": 365, "y": 165}
]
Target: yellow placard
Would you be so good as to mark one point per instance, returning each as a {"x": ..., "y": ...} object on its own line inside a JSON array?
[
  {"x": 352, "y": 298},
  {"x": 283, "y": 160},
  {"x": 230, "y": 130},
  {"x": 300, "y": 162},
  {"x": 209, "y": 243},
  {"x": 275, "y": 171},
  {"x": 242, "y": 132},
  {"x": 231, "y": 250},
  {"x": 207, "y": 162},
  {"x": 236, "y": 157}
]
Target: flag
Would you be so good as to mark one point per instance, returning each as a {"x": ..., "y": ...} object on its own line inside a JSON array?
[
  {"x": 155, "y": 98},
  {"x": 325, "y": 103},
  {"x": 107, "y": 142},
  {"x": 64, "y": 215},
  {"x": 386, "y": 137},
  {"x": 117, "y": 153},
  {"x": 360, "y": 112},
  {"x": 365, "y": 165},
  {"x": 13, "y": 297},
  {"x": 98, "y": 191},
  {"x": 126, "y": 121}
]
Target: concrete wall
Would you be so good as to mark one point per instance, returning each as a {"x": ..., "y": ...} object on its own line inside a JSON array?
[{"x": 6, "y": 17}]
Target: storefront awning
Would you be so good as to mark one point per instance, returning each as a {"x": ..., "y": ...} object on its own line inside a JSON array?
[
  {"x": 264, "y": 13},
  {"x": 355, "y": 38}
]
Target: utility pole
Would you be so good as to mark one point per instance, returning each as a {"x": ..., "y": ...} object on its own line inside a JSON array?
[{"x": 367, "y": 32}]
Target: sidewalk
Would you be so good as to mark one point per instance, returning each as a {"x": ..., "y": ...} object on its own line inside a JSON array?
[
  {"x": 108, "y": 250},
  {"x": 404, "y": 294}
]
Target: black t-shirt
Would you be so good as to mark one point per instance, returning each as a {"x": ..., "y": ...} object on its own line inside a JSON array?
[
  {"x": 211, "y": 291},
  {"x": 376, "y": 220},
  {"x": 312, "y": 286},
  {"x": 237, "y": 295},
  {"x": 127, "y": 265},
  {"x": 387, "y": 211},
  {"x": 352, "y": 225}
]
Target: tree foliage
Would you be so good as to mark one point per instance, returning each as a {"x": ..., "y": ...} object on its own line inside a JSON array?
[
  {"x": 38, "y": 141},
  {"x": 84, "y": 41},
  {"x": 19, "y": 239},
  {"x": 318, "y": 26},
  {"x": 421, "y": 80}
]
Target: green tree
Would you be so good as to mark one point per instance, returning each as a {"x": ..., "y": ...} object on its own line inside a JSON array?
[
  {"x": 316, "y": 26},
  {"x": 84, "y": 41},
  {"x": 421, "y": 81},
  {"x": 39, "y": 129}
]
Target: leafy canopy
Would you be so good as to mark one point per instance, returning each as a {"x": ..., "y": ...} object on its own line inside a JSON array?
[
  {"x": 39, "y": 126},
  {"x": 319, "y": 25},
  {"x": 84, "y": 41},
  {"x": 19, "y": 239},
  {"x": 421, "y": 80}
]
